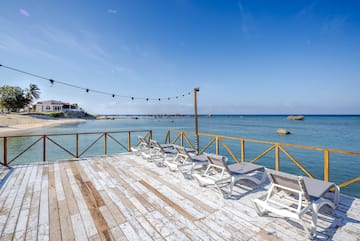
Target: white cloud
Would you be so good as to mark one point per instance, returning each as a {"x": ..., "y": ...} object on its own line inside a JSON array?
[
  {"x": 24, "y": 47},
  {"x": 85, "y": 42},
  {"x": 247, "y": 24},
  {"x": 334, "y": 24},
  {"x": 127, "y": 73},
  {"x": 307, "y": 10},
  {"x": 24, "y": 12},
  {"x": 112, "y": 11}
]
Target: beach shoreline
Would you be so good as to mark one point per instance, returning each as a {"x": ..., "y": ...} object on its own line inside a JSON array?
[{"x": 11, "y": 124}]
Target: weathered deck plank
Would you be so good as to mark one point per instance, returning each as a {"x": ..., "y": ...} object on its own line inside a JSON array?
[
  {"x": 20, "y": 231},
  {"x": 67, "y": 232},
  {"x": 87, "y": 220},
  {"x": 9, "y": 229},
  {"x": 124, "y": 197},
  {"x": 55, "y": 229},
  {"x": 33, "y": 222}
]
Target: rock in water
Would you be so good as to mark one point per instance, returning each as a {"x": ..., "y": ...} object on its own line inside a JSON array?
[
  {"x": 296, "y": 117},
  {"x": 282, "y": 131}
]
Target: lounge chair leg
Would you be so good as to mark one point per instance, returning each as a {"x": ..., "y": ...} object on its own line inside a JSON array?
[
  {"x": 313, "y": 225},
  {"x": 224, "y": 187},
  {"x": 259, "y": 211},
  {"x": 308, "y": 234}
]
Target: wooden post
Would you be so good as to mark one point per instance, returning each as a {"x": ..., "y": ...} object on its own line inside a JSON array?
[
  {"x": 105, "y": 143},
  {"x": 150, "y": 134},
  {"x": 182, "y": 138},
  {"x": 5, "y": 150},
  {"x": 326, "y": 165},
  {"x": 129, "y": 141},
  {"x": 242, "y": 146},
  {"x": 44, "y": 148},
  {"x": 217, "y": 145},
  {"x": 277, "y": 157},
  {"x": 77, "y": 145},
  {"x": 196, "y": 121},
  {"x": 167, "y": 138}
]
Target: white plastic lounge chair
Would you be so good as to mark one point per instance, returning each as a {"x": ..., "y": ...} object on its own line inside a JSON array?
[
  {"x": 186, "y": 162},
  {"x": 293, "y": 196},
  {"x": 141, "y": 146},
  {"x": 166, "y": 148},
  {"x": 159, "y": 153},
  {"x": 222, "y": 176}
]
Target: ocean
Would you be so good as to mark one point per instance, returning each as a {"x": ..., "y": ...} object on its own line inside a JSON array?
[{"x": 330, "y": 131}]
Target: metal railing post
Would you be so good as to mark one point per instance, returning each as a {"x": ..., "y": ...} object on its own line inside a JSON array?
[
  {"x": 326, "y": 165},
  {"x": 277, "y": 157},
  {"x": 105, "y": 143},
  {"x": 5, "y": 150},
  {"x": 44, "y": 148}
]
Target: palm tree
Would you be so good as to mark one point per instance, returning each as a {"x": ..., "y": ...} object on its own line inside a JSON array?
[{"x": 33, "y": 92}]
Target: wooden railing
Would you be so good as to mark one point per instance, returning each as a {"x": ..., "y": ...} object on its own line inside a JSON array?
[
  {"x": 183, "y": 138},
  {"x": 49, "y": 144},
  {"x": 80, "y": 150}
]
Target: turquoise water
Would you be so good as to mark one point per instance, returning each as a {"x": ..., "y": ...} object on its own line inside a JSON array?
[{"x": 332, "y": 132}]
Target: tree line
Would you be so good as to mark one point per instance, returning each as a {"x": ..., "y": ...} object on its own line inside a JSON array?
[{"x": 14, "y": 98}]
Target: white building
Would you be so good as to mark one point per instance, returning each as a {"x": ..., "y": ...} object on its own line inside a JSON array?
[{"x": 55, "y": 106}]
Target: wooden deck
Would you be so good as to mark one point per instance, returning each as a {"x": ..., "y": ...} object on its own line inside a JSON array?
[{"x": 123, "y": 197}]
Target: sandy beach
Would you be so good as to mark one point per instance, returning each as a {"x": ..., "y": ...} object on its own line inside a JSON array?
[{"x": 11, "y": 124}]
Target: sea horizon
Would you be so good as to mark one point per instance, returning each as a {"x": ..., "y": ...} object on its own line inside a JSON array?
[{"x": 207, "y": 115}]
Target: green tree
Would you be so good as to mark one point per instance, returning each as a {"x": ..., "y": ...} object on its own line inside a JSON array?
[{"x": 14, "y": 98}]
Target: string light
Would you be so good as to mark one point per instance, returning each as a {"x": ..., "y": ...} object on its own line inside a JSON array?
[{"x": 87, "y": 90}]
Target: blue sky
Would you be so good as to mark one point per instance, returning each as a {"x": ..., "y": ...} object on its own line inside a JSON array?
[{"x": 247, "y": 57}]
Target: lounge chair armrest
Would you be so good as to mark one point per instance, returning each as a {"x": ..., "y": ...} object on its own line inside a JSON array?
[
  {"x": 186, "y": 169},
  {"x": 223, "y": 182},
  {"x": 203, "y": 180},
  {"x": 185, "y": 166}
]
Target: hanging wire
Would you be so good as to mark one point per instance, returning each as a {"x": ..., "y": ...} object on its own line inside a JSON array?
[{"x": 87, "y": 90}]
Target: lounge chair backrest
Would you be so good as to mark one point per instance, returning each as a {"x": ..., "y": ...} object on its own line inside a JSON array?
[
  {"x": 154, "y": 143},
  {"x": 143, "y": 140},
  {"x": 156, "y": 147},
  {"x": 218, "y": 161},
  {"x": 288, "y": 181},
  {"x": 182, "y": 152}
]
